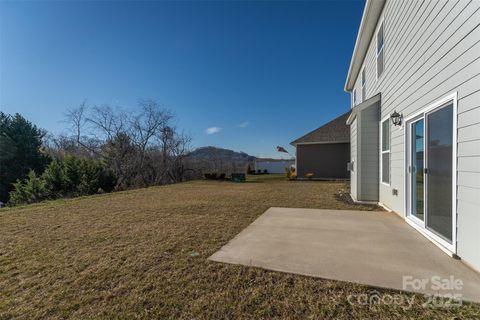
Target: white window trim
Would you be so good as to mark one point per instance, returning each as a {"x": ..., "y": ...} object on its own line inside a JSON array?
[
  {"x": 382, "y": 152},
  {"x": 380, "y": 23},
  {"x": 363, "y": 82},
  {"x": 449, "y": 248}
]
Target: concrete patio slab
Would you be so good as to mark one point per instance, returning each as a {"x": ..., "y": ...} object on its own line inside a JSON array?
[{"x": 372, "y": 248}]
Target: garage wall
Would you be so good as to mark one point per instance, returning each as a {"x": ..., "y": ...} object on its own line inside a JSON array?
[{"x": 328, "y": 161}]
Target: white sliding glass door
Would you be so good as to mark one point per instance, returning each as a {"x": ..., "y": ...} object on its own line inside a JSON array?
[{"x": 431, "y": 172}]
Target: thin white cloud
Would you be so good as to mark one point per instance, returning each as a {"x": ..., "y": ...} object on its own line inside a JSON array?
[
  {"x": 244, "y": 124},
  {"x": 213, "y": 130}
]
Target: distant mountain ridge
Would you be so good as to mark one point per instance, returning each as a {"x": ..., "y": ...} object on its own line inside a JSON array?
[
  {"x": 206, "y": 153},
  {"x": 219, "y": 160}
]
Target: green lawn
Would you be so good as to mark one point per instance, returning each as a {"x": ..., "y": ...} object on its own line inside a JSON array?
[{"x": 129, "y": 255}]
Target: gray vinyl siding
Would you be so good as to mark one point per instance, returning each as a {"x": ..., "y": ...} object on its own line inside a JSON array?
[
  {"x": 353, "y": 158},
  {"x": 432, "y": 49},
  {"x": 368, "y": 155}
]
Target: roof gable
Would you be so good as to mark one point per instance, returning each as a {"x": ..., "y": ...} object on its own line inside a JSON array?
[{"x": 336, "y": 130}]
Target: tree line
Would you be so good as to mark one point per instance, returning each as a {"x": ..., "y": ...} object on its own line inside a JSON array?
[{"x": 106, "y": 149}]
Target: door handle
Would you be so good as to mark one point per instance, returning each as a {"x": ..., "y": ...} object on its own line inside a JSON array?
[{"x": 425, "y": 170}]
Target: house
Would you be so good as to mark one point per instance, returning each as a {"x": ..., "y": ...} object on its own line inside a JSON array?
[
  {"x": 325, "y": 151},
  {"x": 268, "y": 165},
  {"x": 414, "y": 80}
]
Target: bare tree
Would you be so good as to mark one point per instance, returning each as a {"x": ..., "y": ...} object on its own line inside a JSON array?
[
  {"x": 151, "y": 122},
  {"x": 175, "y": 147},
  {"x": 108, "y": 123},
  {"x": 79, "y": 143},
  {"x": 142, "y": 147},
  {"x": 119, "y": 154},
  {"x": 77, "y": 120}
]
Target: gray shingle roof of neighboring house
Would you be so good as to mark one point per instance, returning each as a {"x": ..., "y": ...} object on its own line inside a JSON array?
[{"x": 336, "y": 130}]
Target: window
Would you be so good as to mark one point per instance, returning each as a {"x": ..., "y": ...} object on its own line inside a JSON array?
[
  {"x": 364, "y": 95},
  {"x": 386, "y": 151},
  {"x": 354, "y": 97},
  {"x": 380, "y": 55}
]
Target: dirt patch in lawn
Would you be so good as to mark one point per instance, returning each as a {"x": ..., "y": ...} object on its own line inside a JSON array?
[{"x": 143, "y": 254}]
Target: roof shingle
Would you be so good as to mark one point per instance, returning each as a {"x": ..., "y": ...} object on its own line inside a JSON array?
[{"x": 336, "y": 130}]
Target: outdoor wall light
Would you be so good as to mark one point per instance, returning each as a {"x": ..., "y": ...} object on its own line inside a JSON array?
[{"x": 396, "y": 118}]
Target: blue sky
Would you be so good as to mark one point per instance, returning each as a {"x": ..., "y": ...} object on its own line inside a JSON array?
[{"x": 241, "y": 75}]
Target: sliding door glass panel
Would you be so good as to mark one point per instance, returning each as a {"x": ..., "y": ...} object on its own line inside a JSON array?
[
  {"x": 417, "y": 166},
  {"x": 439, "y": 174}
]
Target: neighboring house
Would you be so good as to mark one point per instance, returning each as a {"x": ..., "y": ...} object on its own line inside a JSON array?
[
  {"x": 324, "y": 152},
  {"x": 418, "y": 63},
  {"x": 273, "y": 165}
]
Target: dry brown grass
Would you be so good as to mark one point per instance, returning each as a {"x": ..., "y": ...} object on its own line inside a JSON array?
[{"x": 128, "y": 255}]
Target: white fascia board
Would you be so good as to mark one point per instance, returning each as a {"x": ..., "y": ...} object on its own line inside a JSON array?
[
  {"x": 351, "y": 117},
  {"x": 362, "y": 106},
  {"x": 370, "y": 17}
]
